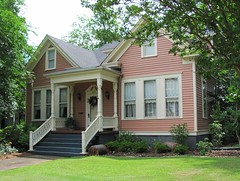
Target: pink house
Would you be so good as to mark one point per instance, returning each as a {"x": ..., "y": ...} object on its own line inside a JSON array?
[{"x": 118, "y": 87}]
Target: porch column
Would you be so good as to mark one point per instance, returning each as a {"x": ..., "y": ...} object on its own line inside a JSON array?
[
  {"x": 53, "y": 107},
  {"x": 71, "y": 90},
  {"x": 115, "y": 88},
  {"x": 99, "y": 85}
]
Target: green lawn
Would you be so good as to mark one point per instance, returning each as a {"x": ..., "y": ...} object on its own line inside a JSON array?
[{"x": 129, "y": 168}]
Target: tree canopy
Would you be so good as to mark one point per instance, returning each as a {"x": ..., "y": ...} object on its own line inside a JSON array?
[
  {"x": 92, "y": 32},
  {"x": 209, "y": 28},
  {"x": 14, "y": 51}
]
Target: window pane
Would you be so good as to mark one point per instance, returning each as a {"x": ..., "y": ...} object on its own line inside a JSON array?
[
  {"x": 172, "y": 108},
  {"x": 204, "y": 95},
  {"x": 48, "y": 111},
  {"x": 130, "y": 92},
  {"x": 51, "y": 54},
  {"x": 171, "y": 87},
  {"x": 48, "y": 96},
  {"x": 63, "y": 95},
  {"x": 130, "y": 99},
  {"x": 150, "y": 98},
  {"x": 37, "y": 97},
  {"x": 37, "y": 112},
  {"x": 63, "y": 110},
  {"x": 51, "y": 64},
  {"x": 149, "y": 48}
]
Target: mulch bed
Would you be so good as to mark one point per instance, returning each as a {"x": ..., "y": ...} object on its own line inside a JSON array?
[{"x": 13, "y": 155}]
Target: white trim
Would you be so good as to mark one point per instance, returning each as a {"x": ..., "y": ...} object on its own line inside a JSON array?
[
  {"x": 46, "y": 59},
  {"x": 194, "y": 95},
  {"x": 160, "y": 87},
  {"x": 165, "y": 133},
  {"x": 153, "y": 55}
]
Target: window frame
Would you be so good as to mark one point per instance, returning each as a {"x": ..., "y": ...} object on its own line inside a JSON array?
[
  {"x": 160, "y": 97},
  {"x": 47, "y": 60},
  {"x": 147, "y": 45},
  {"x": 34, "y": 105},
  {"x": 155, "y": 99},
  {"x": 63, "y": 103},
  {"x": 48, "y": 103},
  {"x": 124, "y": 101}
]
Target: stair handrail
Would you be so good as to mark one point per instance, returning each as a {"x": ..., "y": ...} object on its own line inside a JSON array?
[
  {"x": 40, "y": 132},
  {"x": 90, "y": 132}
]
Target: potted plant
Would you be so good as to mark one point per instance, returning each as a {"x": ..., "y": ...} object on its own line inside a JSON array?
[{"x": 70, "y": 123}]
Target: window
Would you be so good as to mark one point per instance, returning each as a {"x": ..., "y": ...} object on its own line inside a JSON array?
[
  {"x": 51, "y": 61},
  {"x": 130, "y": 99},
  {"x": 149, "y": 48},
  {"x": 172, "y": 97},
  {"x": 150, "y": 98},
  {"x": 37, "y": 104},
  {"x": 48, "y": 103},
  {"x": 204, "y": 97},
  {"x": 63, "y": 103}
]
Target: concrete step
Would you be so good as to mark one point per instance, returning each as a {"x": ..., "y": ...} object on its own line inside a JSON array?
[
  {"x": 55, "y": 148},
  {"x": 60, "y": 144},
  {"x": 55, "y": 153}
]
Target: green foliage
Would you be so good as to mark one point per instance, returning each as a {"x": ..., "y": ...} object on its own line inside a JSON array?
[
  {"x": 216, "y": 131},
  {"x": 6, "y": 148},
  {"x": 160, "y": 147},
  {"x": 14, "y": 51},
  {"x": 128, "y": 142},
  {"x": 179, "y": 133},
  {"x": 180, "y": 149},
  {"x": 18, "y": 135},
  {"x": 204, "y": 146},
  {"x": 91, "y": 33},
  {"x": 193, "y": 27}
]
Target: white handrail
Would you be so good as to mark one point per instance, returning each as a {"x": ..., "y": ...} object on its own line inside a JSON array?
[
  {"x": 40, "y": 132},
  {"x": 90, "y": 132}
]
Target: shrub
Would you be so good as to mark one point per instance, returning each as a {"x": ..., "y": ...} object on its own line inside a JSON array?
[
  {"x": 18, "y": 135},
  {"x": 204, "y": 146},
  {"x": 70, "y": 123},
  {"x": 179, "y": 133},
  {"x": 160, "y": 147},
  {"x": 113, "y": 145},
  {"x": 127, "y": 136},
  {"x": 140, "y": 147},
  {"x": 7, "y": 148},
  {"x": 180, "y": 149},
  {"x": 216, "y": 131}
]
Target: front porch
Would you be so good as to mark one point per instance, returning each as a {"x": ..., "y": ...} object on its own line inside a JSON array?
[{"x": 87, "y": 96}]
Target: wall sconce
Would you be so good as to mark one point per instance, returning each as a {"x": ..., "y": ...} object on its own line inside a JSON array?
[
  {"x": 107, "y": 94},
  {"x": 79, "y": 96}
]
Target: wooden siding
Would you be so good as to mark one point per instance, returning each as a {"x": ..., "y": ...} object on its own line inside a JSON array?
[
  {"x": 39, "y": 70},
  {"x": 164, "y": 63},
  {"x": 203, "y": 123},
  {"x": 40, "y": 80},
  {"x": 79, "y": 106}
]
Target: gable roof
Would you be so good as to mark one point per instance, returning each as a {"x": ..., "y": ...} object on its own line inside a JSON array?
[{"x": 75, "y": 55}]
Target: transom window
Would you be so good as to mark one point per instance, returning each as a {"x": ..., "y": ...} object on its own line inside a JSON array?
[
  {"x": 63, "y": 103},
  {"x": 149, "y": 48},
  {"x": 130, "y": 99},
  {"x": 51, "y": 59},
  {"x": 150, "y": 98},
  {"x": 172, "y": 97}
]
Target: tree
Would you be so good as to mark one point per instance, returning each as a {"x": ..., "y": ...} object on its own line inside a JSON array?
[
  {"x": 91, "y": 33},
  {"x": 14, "y": 52},
  {"x": 209, "y": 28}
]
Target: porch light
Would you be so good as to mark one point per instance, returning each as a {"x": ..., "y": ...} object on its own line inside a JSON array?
[
  {"x": 107, "y": 94},
  {"x": 79, "y": 96}
]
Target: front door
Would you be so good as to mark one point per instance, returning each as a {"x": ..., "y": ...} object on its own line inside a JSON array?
[{"x": 91, "y": 105}]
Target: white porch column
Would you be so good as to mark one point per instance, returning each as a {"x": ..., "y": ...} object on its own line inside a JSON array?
[
  {"x": 71, "y": 90},
  {"x": 100, "y": 103},
  {"x": 53, "y": 107},
  {"x": 115, "y": 88}
]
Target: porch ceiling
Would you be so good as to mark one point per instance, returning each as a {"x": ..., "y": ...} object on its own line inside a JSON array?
[{"x": 82, "y": 75}]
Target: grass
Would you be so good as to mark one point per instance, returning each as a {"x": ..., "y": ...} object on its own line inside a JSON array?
[{"x": 129, "y": 168}]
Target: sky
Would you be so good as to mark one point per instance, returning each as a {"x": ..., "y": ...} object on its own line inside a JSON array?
[{"x": 53, "y": 17}]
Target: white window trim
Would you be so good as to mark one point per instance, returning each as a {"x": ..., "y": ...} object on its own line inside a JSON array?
[
  {"x": 154, "y": 55},
  {"x": 43, "y": 103},
  {"x": 160, "y": 104},
  {"x": 203, "y": 115},
  {"x": 46, "y": 59}
]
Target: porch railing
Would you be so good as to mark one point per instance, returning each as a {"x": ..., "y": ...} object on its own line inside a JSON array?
[
  {"x": 110, "y": 122},
  {"x": 90, "y": 132},
  {"x": 40, "y": 132}
]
